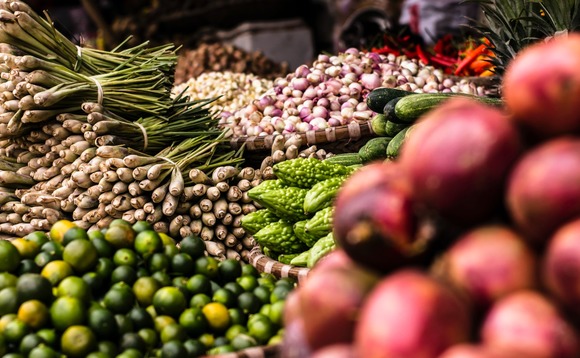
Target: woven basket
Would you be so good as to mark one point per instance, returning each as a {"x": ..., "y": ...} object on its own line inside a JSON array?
[
  {"x": 254, "y": 352},
  {"x": 345, "y": 137},
  {"x": 267, "y": 264}
]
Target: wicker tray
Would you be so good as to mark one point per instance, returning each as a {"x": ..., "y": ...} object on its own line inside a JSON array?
[
  {"x": 267, "y": 264},
  {"x": 254, "y": 352},
  {"x": 346, "y": 137}
]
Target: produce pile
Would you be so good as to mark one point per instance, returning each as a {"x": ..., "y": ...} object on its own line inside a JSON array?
[
  {"x": 332, "y": 92},
  {"x": 129, "y": 291},
  {"x": 295, "y": 224},
  {"x": 466, "y": 245},
  {"x": 218, "y": 57}
]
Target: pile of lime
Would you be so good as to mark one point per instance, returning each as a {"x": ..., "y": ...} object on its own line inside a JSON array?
[{"x": 129, "y": 291}]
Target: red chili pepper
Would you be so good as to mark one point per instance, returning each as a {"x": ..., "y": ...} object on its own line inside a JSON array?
[
  {"x": 469, "y": 58},
  {"x": 421, "y": 54},
  {"x": 442, "y": 61}
]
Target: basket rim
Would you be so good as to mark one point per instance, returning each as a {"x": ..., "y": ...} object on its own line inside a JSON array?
[
  {"x": 266, "y": 264},
  {"x": 351, "y": 132}
]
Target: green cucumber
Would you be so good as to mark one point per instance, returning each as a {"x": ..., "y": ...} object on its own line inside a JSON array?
[
  {"x": 378, "y": 97},
  {"x": 374, "y": 149},
  {"x": 395, "y": 145},
  {"x": 409, "y": 108},
  {"x": 392, "y": 128},
  {"x": 346, "y": 159},
  {"x": 378, "y": 123},
  {"x": 389, "y": 111}
]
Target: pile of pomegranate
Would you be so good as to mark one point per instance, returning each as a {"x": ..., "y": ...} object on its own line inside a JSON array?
[{"x": 467, "y": 246}]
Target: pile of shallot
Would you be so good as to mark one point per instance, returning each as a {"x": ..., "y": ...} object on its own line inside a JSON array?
[{"x": 469, "y": 244}]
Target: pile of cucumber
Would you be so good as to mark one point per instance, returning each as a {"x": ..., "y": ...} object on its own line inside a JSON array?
[{"x": 397, "y": 112}]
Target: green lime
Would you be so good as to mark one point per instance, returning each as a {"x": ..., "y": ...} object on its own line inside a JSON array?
[
  {"x": 149, "y": 336},
  {"x": 173, "y": 349},
  {"x": 132, "y": 340},
  {"x": 108, "y": 347},
  {"x": 7, "y": 280},
  {"x": 26, "y": 249},
  {"x": 182, "y": 264},
  {"x": 267, "y": 280},
  {"x": 99, "y": 355},
  {"x": 199, "y": 283},
  {"x": 103, "y": 323},
  {"x": 124, "y": 324},
  {"x": 104, "y": 248},
  {"x": 66, "y": 312},
  {"x": 142, "y": 272},
  {"x": 237, "y": 316},
  {"x": 141, "y": 318},
  {"x": 148, "y": 242},
  {"x": 229, "y": 270},
  {"x": 105, "y": 267},
  {"x": 243, "y": 341},
  {"x": 277, "y": 312},
  {"x": 265, "y": 309},
  {"x": 120, "y": 236},
  {"x": 220, "y": 341},
  {"x": 130, "y": 353},
  {"x": 234, "y": 330},
  {"x": 38, "y": 237},
  {"x": 5, "y": 319},
  {"x": 248, "y": 282},
  {"x": 275, "y": 340},
  {"x": 95, "y": 234},
  {"x": 208, "y": 266},
  {"x": 162, "y": 321},
  {"x": 9, "y": 257},
  {"x": 169, "y": 301},
  {"x": 141, "y": 226},
  {"x": 250, "y": 270},
  {"x": 42, "y": 258},
  {"x": 159, "y": 262},
  {"x": 48, "y": 335},
  {"x": 74, "y": 233},
  {"x": 221, "y": 350},
  {"x": 56, "y": 270},
  {"x": 263, "y": 294},
  {"x": 8, "y": 300},
  {"x": 95, "y": 281},
  {"x": 163, "y": 278},
  {"x": 78, "y": 341},
  {"x": 43, "y": 351},
  {"x": 119, "y": 299},
  {"x": 144, "y": 288},
  {"x": 28, "y": 343},
  {"x": 15, "y": 331},
  {"x": 286, "y": 282},
  {"x": 261, "y": 329},
  {"x": 207, "y": 339},
  {"x": 234, "y": 287},
  {"x": 34, "y": 286},
  {"x": 194, "y": 348},
  {"x": 224, "y": 296},
  {"x": 181, "y": 283},
  {"x": 53, "y": 248},
  {"x": 279, "y": 293},
  {"x": 27, "y": 266},
  {"x": 192, "y": 245},
  {"x": 125, "y": 256},
  {"x": 170, "y": 250},
  {"x": 81, "y": 255},
  {"x": 249, "y": 302},
  {"x": 193, "y": 321},
  {"x": 59, "y": 228},
  {"x": 199, "y": 300},
  {"x": 74, "y": 286},
  {"x": 172, "y": 332},
  {"x": 124, "y": 273}
]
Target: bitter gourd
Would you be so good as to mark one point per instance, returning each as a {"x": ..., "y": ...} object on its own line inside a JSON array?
[
  {"x": 286, "y": 203},
  {"x": 305, "y": 172},
  {"x": 322, "y": 247},
  {"x": 307, "y": 238},
  {"x": 255, "y": 221},
  {"x": 265, "y": 186},
  {"x": 321, "y": 223},
  {"x": 321, "y": 195},
  {"x": 279, "y": 237}
]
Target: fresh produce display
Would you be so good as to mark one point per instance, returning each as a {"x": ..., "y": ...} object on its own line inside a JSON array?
[
  {"x": 332, "y": 92},
  {"x": 465, "y": 245},
  {"x": 232, "y": 91},
  {"x": 127, "y": 290},
  {"x": 295, "y": 223},
  {"x": 219, "y": 57}
]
